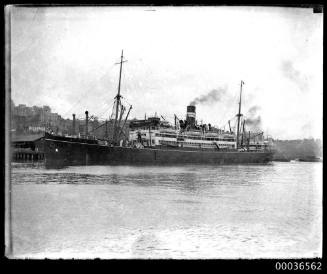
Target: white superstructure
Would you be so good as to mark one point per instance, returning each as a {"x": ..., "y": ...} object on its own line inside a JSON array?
[{"x": 176, "y": 138}]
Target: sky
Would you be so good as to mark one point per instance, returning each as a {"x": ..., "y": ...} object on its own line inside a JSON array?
[{"x": 65, "y": 57}]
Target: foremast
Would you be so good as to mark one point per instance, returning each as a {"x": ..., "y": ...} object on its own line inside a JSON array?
[
  {"x": 239, "y": 116},
  {"x": 118, "y": 97}
]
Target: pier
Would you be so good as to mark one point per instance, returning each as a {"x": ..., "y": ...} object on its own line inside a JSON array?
[
  {"x": 27, "y": 156},
  {"x": 25, "y": 148}
]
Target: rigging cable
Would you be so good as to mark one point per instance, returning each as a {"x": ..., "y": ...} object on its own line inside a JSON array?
[{"x": 83, "y": 96}]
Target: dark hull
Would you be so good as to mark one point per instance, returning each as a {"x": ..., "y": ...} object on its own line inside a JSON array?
[{"x": 59, "y": 153}]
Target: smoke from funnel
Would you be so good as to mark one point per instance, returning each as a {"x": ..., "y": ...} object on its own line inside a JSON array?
[
  {"x": 211, "y": 97},
  {"x": 253, "y": 119},
  {"x": 253, "y": 111},
  {"x": 292, "y": 73}
]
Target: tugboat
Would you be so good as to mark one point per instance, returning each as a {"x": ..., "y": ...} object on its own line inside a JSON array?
[{"x": 156, "y": 141}]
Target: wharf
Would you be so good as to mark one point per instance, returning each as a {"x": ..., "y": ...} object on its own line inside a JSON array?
[
  {"x": 24, "y": 148},
  {"x": 23, "y": 155}
]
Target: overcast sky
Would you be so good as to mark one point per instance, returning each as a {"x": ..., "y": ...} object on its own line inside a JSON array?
[{"x": 65, "y": 58}]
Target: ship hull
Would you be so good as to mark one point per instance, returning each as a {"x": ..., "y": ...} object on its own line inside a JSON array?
[{"x": 58, "y": 153}]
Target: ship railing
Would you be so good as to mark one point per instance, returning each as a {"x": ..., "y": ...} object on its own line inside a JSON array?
[
  {"x": 255, "y": 149},
  {"x": 88, "y": 137}
]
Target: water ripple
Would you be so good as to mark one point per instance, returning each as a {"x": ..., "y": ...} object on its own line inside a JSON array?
[{"x": 249, "y": 211}]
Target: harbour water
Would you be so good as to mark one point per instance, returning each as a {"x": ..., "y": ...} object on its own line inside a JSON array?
[{"x": 181, "y": 212}]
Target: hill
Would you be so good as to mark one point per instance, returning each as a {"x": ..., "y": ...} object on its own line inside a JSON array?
[{"x": 303, "y": 149}]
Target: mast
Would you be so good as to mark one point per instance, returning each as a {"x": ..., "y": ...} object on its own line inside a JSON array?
[
  {"x": 121, "y": 130},
  {"x": 150, "y": 135},
  {"x": 118, "y": 96},
  {"x": 122, "y": 110},
  {"x": 239, "y": 116},
  {"x": 106, "y": 136},
  {"x": 230, "y": 129},
  {"x": 175, "y": 121},
  {"x": 243, "y": 130}
]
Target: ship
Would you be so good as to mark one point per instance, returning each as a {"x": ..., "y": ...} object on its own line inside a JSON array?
[{"x": 155, "y": 141}]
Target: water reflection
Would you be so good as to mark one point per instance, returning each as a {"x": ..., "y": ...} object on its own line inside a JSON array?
[
  {"x": 188, "y": 178},
  {"x": 170, "y": 211},
  {"x": 115, "y": 179}
]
